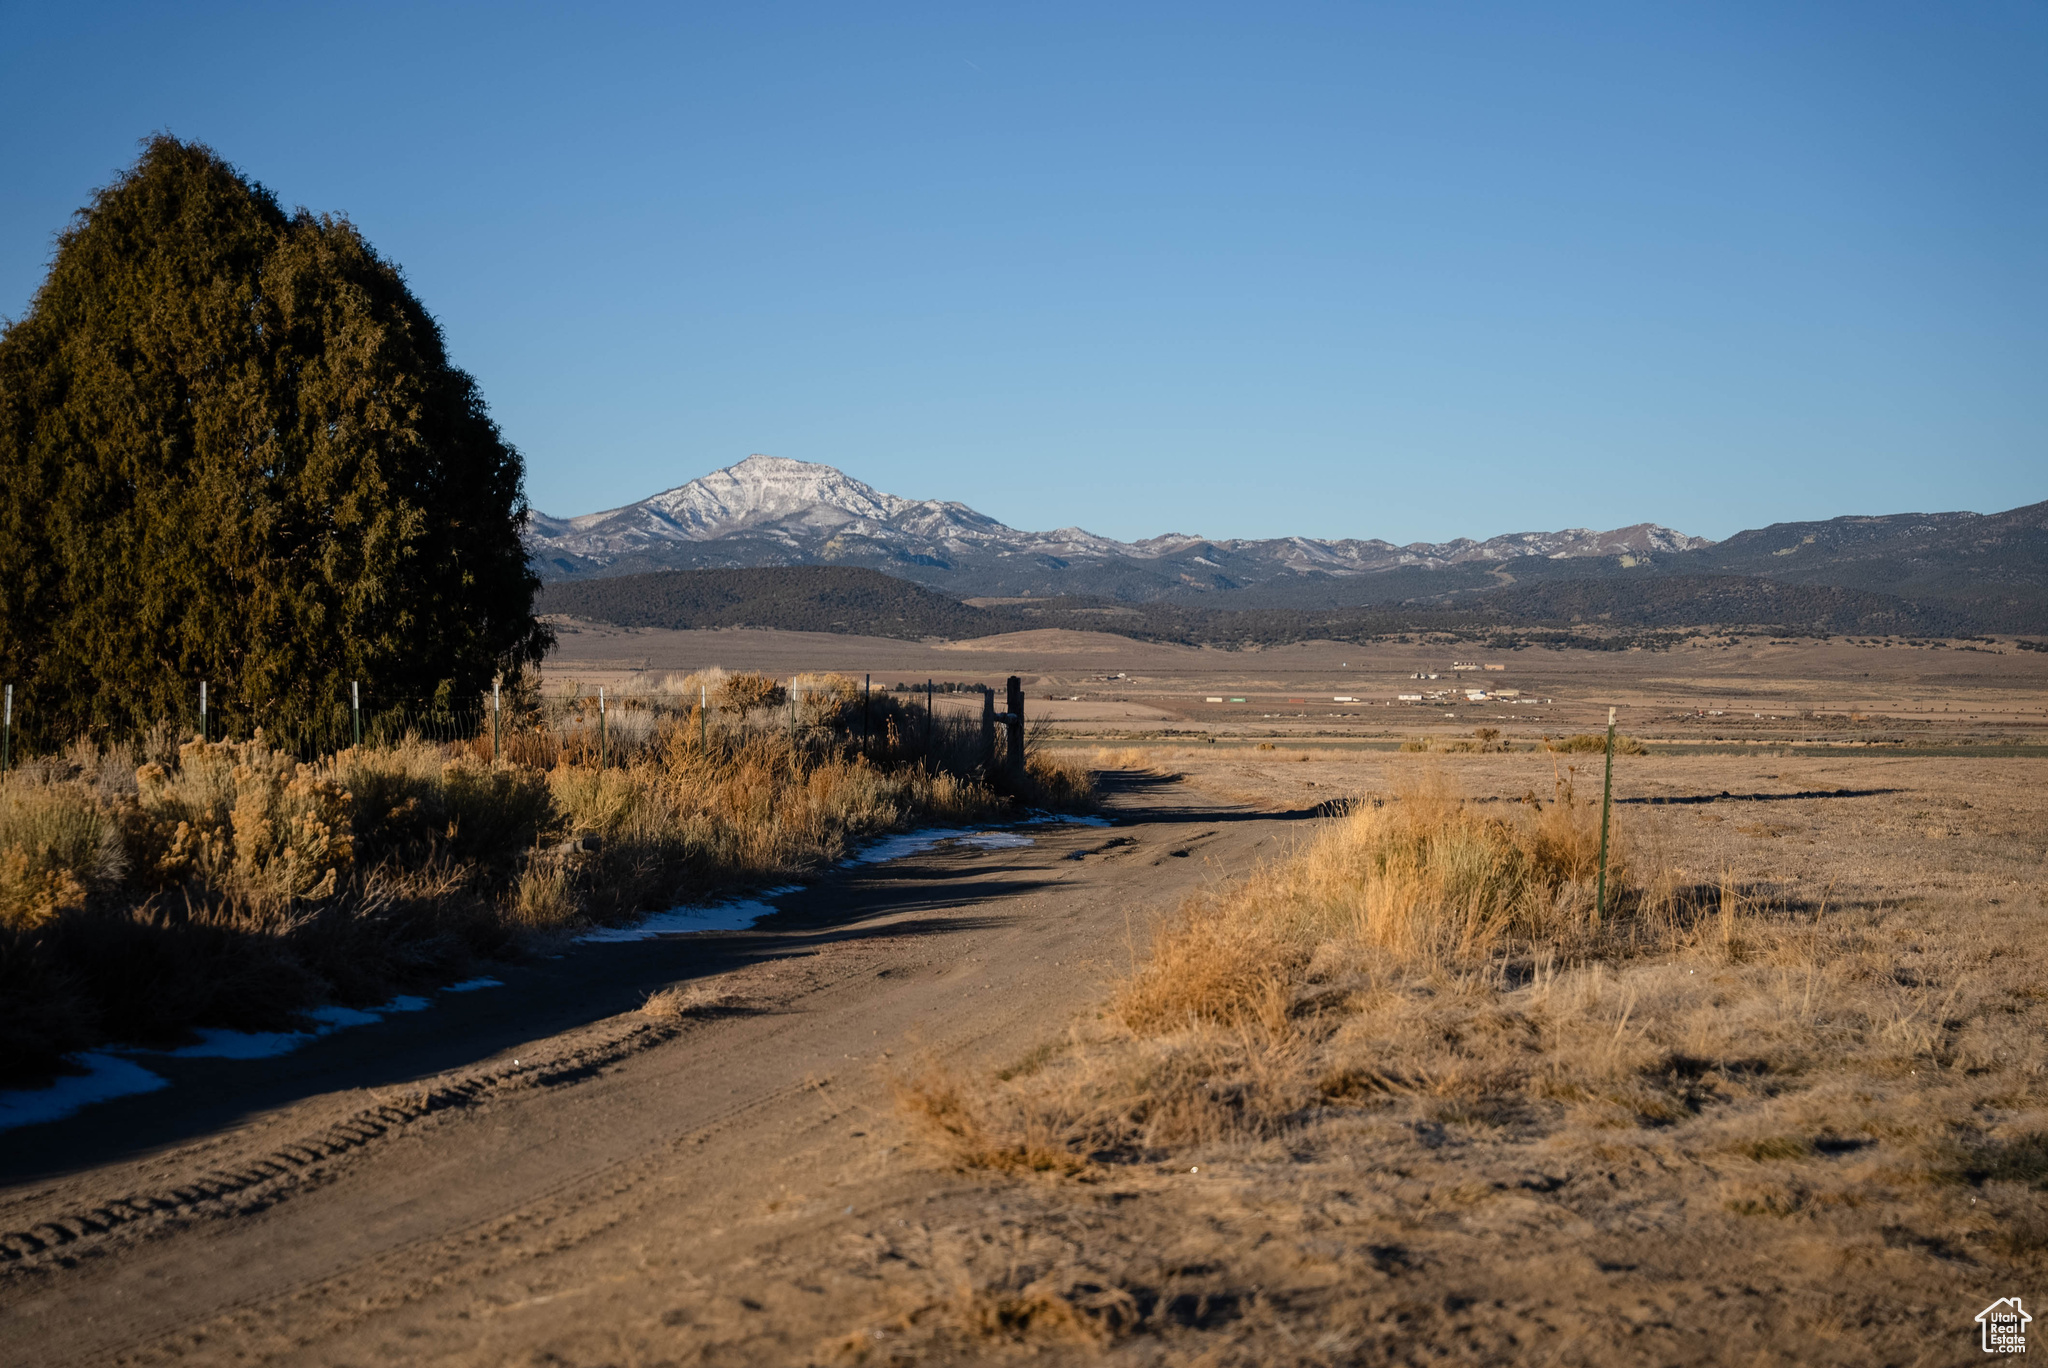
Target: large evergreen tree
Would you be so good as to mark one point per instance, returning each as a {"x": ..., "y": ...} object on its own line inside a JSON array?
[{"x": 232, "y": 448}]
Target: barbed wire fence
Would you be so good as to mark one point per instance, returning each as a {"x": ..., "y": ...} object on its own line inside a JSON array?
[{"x": 573, "y": 724}]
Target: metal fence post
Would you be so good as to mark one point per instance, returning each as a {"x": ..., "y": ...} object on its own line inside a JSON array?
[
  {"x": 355, "y": 707},
  {"x": 867, "y": 682},
  {"x": 7, "y": 734},
  {"x": 202, "y": 712},
  {"x": 495, "y": 707},
  {"x": 600, "y": 729},
  {"x": 1606, "y": 798},
  {"x": 703, "y": 716}
]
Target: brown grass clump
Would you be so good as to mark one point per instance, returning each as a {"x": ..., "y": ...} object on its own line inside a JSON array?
[
  {"x": 679, "y": 1003},
  {"x": 1582, "y": 742},
  {"x": 1425, "y": 877},
  {"x": 1483, "y": 741}
]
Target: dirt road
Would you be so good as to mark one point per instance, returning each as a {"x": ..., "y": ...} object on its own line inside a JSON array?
[{"x": 539, "y": 1173}]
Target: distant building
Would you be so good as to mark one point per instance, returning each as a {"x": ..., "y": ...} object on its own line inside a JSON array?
[{"x": 1496, "y": 667}]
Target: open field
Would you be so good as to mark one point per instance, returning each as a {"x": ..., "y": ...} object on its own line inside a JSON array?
[
  {"x": 1702, "y": 694},
  {"x": 924, "y": 1116}
]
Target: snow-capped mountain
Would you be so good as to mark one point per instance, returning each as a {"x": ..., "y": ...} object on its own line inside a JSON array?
[{"x": 768, "y": 510}]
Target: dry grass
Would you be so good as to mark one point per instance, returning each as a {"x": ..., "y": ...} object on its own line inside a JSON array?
[
  {"x": 1410, "y": 1037},
  {"x": 1583, "y": 742},
  {"x": 680, "y": 1002},
  {"x": 1424, "y": 956},
  {"x": 228, "y": 884}
]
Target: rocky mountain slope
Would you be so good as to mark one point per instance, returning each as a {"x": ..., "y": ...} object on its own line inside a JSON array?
[{"x": 771, "y": 511}]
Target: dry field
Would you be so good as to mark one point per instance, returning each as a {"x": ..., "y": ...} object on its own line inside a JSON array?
[
  {"x": 1708, "y": 690},
  {"x": 1319, "y": 1056},
  {"x": 1788, "y": 1108}
]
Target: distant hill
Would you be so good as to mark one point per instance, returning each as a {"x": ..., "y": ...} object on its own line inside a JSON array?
[
  {"x": 1669, "y": 601},
  {"x": 866, "y": 602},
  {"x": 803, "y": 598}
]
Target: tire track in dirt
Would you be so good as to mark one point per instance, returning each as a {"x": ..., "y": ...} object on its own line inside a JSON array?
[{"x": 431, "y": 1187}]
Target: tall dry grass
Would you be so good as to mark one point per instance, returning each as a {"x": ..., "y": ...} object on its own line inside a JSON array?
[
  {"x": 1419, "y": 944},
  {"x": 229, "y": 884}
]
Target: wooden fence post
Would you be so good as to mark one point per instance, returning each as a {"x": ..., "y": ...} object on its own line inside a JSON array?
[
  {"x": 988, "y": 730},
  {"x": 7, "y": 734},
  {"x": 1014, "y": 723}
]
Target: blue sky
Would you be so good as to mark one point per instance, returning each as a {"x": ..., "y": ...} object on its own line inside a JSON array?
[{"x": 1404, "y": 271}]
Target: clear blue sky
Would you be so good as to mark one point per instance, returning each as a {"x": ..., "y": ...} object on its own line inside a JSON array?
[{"x": 1407, "y": 271}]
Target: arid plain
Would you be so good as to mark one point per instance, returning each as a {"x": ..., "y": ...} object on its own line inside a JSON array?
[
  {"x": 1703, "y": 690},
  {"x": 1792, "y": 1111}
]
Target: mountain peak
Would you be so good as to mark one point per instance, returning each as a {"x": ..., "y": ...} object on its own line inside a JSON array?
[{"x": 775, "y": 510}]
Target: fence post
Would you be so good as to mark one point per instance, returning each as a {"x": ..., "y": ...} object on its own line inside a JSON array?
[
  {"x": 703, "y": 716},
  {"x": 1014, "y": 724},
  {"x": 495, "y": 708},
  {"x": 202, "y": 712},
  {"x": 988, "y": 730},
  {"x": 1606, "y": 797},
  {"x": 867, "y": 682},
  {"x": 600, "y": 729},
  {"x": 930, "y": 738},
  {"x": 7, "y": 734}
]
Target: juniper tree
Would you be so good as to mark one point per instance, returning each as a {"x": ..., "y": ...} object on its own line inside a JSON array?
[{"x": 232, "y": 448}]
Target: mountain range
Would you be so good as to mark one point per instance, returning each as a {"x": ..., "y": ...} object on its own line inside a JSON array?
[
  {"x": 1902, "y": 572},
  {"x": 769, "y": 510}
]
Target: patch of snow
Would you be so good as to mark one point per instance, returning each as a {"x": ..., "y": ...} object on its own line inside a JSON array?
[
  {"x": 901, "y": 847},
  {"x": 218, "y": 1043},
  {"x": 404, "y": 1004},
  {"x": 996, "y": 840},
  {"x": 471, "y": 985},
  {"x": 732, "y": 916},
  {"x": 334, "y": 1018},
  {"x": 107, "y": 1076}
]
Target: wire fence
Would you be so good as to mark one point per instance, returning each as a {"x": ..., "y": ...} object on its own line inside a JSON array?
[{"x": 575, "y": 725}]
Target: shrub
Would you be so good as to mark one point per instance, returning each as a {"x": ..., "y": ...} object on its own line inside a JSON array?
[
  {"x": 58, "y": 841},
  {"x": 1594, "y": 741},
  {"x": 741, "y": 694}
]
